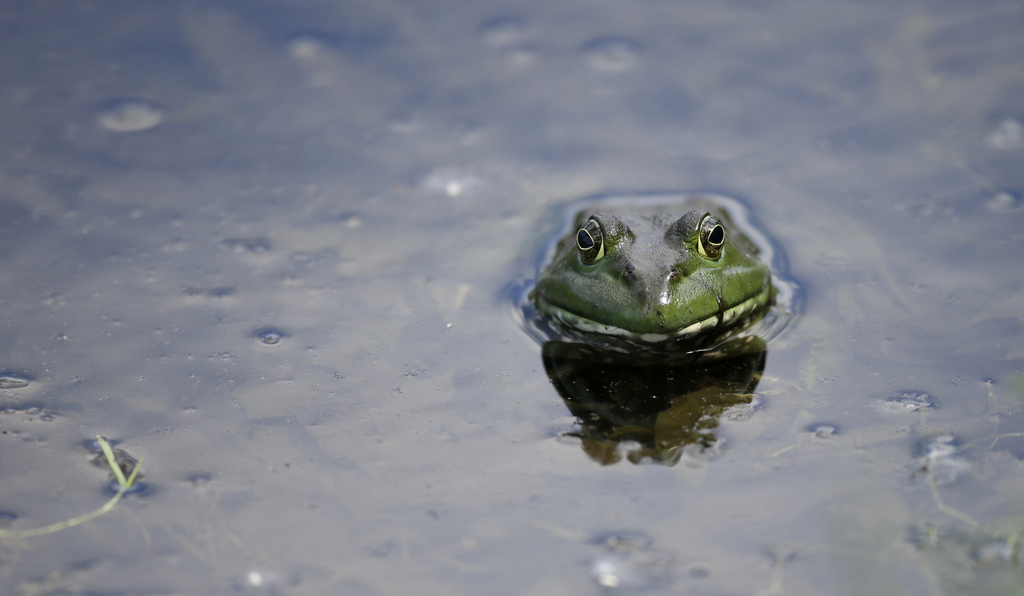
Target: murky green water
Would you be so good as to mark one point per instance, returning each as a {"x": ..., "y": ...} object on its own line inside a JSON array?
[{"x": 269, "y": 248}]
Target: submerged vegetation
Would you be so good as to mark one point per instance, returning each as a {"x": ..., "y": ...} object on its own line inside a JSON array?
[{"x": 123, "y": 485}]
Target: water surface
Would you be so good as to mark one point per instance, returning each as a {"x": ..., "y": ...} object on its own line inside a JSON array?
[{"x": 267, "y": 248}]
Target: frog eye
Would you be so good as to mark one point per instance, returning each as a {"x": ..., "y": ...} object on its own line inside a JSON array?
[
  {"x": 711, "y": 238},
  {"x": 590, "y": 241}
]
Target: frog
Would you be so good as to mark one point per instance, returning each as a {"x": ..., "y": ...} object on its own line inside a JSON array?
[{"x": 661, "y": 277}]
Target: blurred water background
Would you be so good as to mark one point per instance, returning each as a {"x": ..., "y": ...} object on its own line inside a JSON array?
[{"x": 268, "y": 247}]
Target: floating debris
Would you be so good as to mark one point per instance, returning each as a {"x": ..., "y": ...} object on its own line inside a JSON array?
[
  {"x": 123, "y": 485},
  {"x": 13, "y": 382},
  {"x": 125, "y": 462},
  {"x": 907, "y": 401}
]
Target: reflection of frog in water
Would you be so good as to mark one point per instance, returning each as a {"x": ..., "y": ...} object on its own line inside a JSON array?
[
  {"x": 662, "y": 407},
  {"x": 643, "y": 307}
]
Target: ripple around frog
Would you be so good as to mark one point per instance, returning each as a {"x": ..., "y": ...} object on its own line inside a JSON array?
[
  {"x": 652, "y": 403},
  {"x": 786, "y": 304}
]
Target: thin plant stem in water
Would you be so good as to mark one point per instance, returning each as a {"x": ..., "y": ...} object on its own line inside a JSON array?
[
  {"x": 123, "y": 483},
  {"x": 946, "y": 508}
]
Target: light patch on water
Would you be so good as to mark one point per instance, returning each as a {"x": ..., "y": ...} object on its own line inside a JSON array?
[
  {"x": 305, "y": 49},
  {"x": 612, "y": 54},
  {"x": 942, "y": 462},
  {"x": 503, "y": 31},
  {"x": 1008, "y": 134},
  {"x": 631, "y": 562},
  {"x": 450, "y": 183},
  {"x": 1004, "y": 201},
  {"x": 130, "y": 115}
]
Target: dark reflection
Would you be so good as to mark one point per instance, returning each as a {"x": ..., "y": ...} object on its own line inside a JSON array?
[{"x": 662, "y": 407}]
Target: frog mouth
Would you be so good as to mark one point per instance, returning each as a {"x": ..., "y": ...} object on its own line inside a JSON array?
[{"x": 719, "y": 321}]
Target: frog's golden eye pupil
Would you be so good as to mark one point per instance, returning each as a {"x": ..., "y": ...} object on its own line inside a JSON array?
[
  {"x": 711, "y": 237},
  {"x": 590, "y": 241}
]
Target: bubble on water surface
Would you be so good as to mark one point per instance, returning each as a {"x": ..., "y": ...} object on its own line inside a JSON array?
[
  {"x": 612, "y": 54},
  {"x": 1008, "y": 134},
  {"x": 13, "y": 382},
  {"x": 1003, "y": 201},
  {"x": 130, "y": 115},
  {"x": 269, "y": 337}
]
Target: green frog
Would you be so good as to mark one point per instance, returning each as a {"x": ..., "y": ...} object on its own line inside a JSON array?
[{"x": 654, "y": 277}]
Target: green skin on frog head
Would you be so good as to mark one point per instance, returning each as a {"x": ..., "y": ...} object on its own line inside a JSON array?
[{"x": 654, "y": 277}]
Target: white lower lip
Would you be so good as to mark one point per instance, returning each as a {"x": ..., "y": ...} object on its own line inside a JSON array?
[{"x": 690, "y": 331}]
